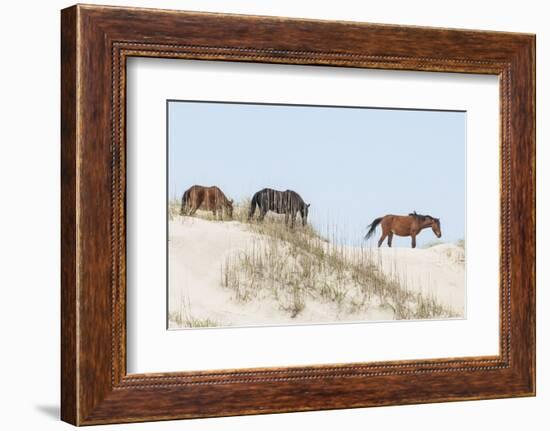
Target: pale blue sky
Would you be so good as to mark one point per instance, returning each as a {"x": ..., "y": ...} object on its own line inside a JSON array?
[{"x": 351, "y": 164}]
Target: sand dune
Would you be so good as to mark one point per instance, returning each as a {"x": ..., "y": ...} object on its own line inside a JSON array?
[{"x": 198, "y": 249}]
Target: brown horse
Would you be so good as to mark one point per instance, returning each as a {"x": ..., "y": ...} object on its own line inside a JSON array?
[
  {"x": 410, "y": 225},
  {"x": 206, "y": 198}
]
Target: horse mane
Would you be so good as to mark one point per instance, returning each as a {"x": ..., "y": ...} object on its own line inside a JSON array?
[{"x": 421, "y": 216}]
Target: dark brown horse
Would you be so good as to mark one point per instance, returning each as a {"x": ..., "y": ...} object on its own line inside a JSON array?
[
  {"x": 410, "y": 225},
  {"x": 288, "y": 203},
  {"x": 206, "y": 198}
]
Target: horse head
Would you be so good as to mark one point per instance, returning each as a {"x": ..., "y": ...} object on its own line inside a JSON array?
[{"x": 436, "y": 227}]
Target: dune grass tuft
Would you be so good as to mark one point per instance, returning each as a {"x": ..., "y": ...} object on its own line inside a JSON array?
[{"x": 183, "y": 317}]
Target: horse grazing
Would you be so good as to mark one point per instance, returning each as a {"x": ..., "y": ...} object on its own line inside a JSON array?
[
  {"x": 410, "y": 225},
  {"x": 288, "y": 203},
  {"x": 206, "y": 198}
]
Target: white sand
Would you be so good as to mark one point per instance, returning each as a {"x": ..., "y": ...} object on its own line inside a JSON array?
[
  {"x": 198, "y": 248},
  {"x": 437, "y": 271}
]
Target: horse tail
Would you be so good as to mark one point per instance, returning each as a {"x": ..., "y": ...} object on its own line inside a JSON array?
[
  {"x": 253, "y": 203},
  {"x": 184, "y": 201},
  {"x": 372, "y": 227}
]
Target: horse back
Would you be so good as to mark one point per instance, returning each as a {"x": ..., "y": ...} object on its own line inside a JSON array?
[
  {"x": 278, "y": 201},
  {"x": 206, "y": 198}
]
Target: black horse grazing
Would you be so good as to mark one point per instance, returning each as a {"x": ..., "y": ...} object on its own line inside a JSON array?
[{"x": 288, "y": 203}]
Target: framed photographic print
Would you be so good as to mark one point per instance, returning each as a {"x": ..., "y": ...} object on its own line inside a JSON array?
[
  {"x": 265, "y": 214},
  {"x": 277, "y": 259}
]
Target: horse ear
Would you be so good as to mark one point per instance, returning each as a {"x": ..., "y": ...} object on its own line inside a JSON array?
[
  {"x": 231, "y": 201},
  {"x": 308, "y": 205}
]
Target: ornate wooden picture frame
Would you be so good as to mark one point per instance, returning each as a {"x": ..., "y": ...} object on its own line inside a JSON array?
[{"x": 96, "y": 41}]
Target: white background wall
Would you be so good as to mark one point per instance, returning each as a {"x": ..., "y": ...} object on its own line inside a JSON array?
[{"x": 29, "y": 214}]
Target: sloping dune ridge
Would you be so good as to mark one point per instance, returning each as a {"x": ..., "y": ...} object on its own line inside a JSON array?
[{"x": 232, "y": 273}]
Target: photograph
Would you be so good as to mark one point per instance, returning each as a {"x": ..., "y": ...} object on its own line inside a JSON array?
[{"x": 285, "y": 214}]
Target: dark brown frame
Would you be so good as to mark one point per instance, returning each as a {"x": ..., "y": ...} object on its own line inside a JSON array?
[{"x": 95, "y": 43}]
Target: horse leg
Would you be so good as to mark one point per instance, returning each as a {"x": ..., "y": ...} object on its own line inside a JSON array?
[
  {"x": 413, "y": 241},
  {"x": 196, "y": 205},
  {"x": 292, "y": 219},
  {"x": 182, "y": 209},
  {"x": 382, "y": 238},
  {"x": 262, "y": 215},
  {"x": 390, "y": 237}
]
